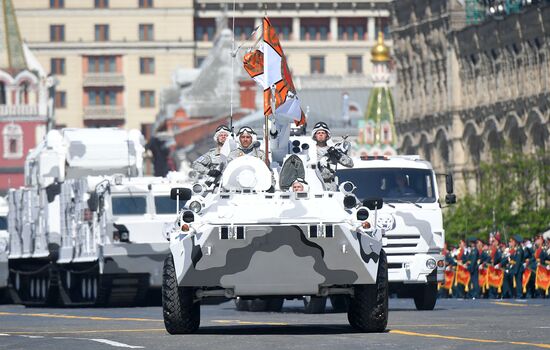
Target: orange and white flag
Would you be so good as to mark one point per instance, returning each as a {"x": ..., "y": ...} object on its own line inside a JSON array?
[{"x": 267, "y": 66}]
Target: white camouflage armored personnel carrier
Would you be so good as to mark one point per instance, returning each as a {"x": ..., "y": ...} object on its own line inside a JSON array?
[
  {"x": 246, "y": 240},
  {"x": 411, "y": 218}
]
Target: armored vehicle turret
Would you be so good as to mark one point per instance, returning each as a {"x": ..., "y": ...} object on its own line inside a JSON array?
[{"x": 249, "y": 238}]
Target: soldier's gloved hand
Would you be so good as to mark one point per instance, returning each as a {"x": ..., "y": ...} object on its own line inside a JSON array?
[
  {"x": 334, "y": 153},
  {"x": 214, "y": 173}
]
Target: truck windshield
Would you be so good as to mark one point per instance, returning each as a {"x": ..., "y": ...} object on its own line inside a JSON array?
[
  {"x": 165, "y": 205},
  {"x": 129, "y": 205},
  {"x": 392, "y": 184},
  {"x": 3, "y": 223}
]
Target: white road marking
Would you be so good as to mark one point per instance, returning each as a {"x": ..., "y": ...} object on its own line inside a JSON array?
[
  {"x": 114, "y": 343},
  {"x": 4, "y": 335},
  {"x": 32, "y": 336}
]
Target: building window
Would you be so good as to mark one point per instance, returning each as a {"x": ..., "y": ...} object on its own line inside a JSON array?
[
  {"x": 146, "y": 32},
  {"x": 146, "y": 98},
  {"x": 243, "y": 27},
  {"x": 60, "y": 99},
  {"x": 147, "y": 65},
  {"x": 314, "y": 28},
  {"x": 383, "y": 24},
  {"x": 355, "y": 64},
  {"x": 24, "y": 90},
  {"x": 57, "y": 32},
  {"x": 283, "y": 27},
  {"x": 145, "y": 4},
  {"x": 101, "y": 4},
  {"x": 101, "y": 32},
  {"x": 352, "y": 28},
  {"x": 317, "y": 64},
  {"x": 13, "y": 141},
  {"x": 2, "y": 93},
  {"x": 102, "y": 97},
  {"x": 102, "y": 64},
  {"x": 57, "y": 66},
  {"x": 57, "y": 4},
  {"x": 198, "y": 61},
  {"x": 205, "y": 28}
]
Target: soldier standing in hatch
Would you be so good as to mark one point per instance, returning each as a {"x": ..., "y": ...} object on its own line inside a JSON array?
[
  {"x": 246, "y": 138},
  {"x": 327, "y": 156},
  {"x": 211, "y": 163}
]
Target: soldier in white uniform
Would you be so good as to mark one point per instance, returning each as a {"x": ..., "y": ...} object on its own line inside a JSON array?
[
  {"x": 212, "y": 163},
  {"x": 248, "y": 145},
  {"x": 328, "y": 156}
]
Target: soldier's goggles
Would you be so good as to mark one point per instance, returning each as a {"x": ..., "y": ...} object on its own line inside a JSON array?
[
  {"x": 246, "y": 129},
  {"x": 222, "y": 127},
  {"x": 321, "y": 125}
]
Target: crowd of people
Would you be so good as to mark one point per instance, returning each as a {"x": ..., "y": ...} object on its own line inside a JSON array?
[{"x": 494, "y": 269}]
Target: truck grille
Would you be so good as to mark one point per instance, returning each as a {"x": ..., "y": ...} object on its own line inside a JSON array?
[{"x": 396, "y": 243}]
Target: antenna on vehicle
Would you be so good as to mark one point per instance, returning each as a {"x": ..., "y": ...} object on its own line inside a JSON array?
[{"x": 233, "y": 55}]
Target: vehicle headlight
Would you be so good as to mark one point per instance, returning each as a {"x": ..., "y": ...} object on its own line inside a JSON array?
[
  {"x": 198, "y": 189},
  {"x": 195, "y": 206},
  {"x": 431, "y": 264}
]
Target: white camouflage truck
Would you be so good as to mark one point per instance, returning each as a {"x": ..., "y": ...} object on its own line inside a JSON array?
[
  {"x": 86, "y": 229},
  {"x": 412, "y": 220}
]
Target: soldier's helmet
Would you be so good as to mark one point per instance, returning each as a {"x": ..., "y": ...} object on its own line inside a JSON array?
[
  {"x": 320, "y": 126},
  {"x": 221, "y": 129}
]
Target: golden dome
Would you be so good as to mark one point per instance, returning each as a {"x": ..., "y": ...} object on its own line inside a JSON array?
[{"x": 380, "y": 52}]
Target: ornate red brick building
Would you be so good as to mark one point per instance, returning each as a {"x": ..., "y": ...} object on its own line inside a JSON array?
[{"x": 23, "y": 100}]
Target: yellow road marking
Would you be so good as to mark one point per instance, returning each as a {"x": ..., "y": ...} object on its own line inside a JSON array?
[
  {"x": 476, "y": 340},
  {"x": 94, "y": 318},
  {"x": 251, "y": 323},
  {"x": 506, "y": 304},
  {"x": 90, "y": 331}
]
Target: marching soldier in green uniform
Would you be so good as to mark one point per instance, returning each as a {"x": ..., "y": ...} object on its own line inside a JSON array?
[
  {"x": 513, "y": 262},
  {"x": 495, "y": 260}
]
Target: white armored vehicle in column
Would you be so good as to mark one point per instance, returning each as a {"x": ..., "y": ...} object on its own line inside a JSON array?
[
  {"x": 411, "y": 218},
  {"x": 71, "y": 230},
  {"x": 249, "y": 239}
]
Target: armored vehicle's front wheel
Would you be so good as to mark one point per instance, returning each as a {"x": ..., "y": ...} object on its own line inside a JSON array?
[
  {"x": 426, "y": 296},
  {"x": 340, "y": 303},
  {"x": 368, "y": 308},
  {"x": 181, "y": 312}
]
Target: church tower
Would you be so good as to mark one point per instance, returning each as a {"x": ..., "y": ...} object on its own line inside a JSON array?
[{"x": 377, "y": 134}]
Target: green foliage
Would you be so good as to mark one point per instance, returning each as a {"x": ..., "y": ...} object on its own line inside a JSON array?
[{"x": 512, "y": 196}]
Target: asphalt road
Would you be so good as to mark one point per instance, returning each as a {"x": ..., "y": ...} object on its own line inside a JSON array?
[{"x": 455, "y": 324}]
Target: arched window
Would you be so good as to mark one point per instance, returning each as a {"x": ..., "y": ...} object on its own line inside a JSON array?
[
  {"x": 24, "y": 93},
  {"x": 386, "y": 138},
  {"x": 13, "y": 141},
  {"x": 3, "y": 98}
]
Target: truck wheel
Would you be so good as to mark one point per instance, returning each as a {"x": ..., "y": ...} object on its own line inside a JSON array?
[
  {"x": 368, "y": 309},
  {"x": 181, "y": 314},
  {"x": 241, "y": 304},
  {"x": 258, "y": 305},
  {"x": 314, "y": 304},
  {"x": 340, "y": 303},
  {"x": 275, "y": 304},
  {"x": 425, "y": 297}
]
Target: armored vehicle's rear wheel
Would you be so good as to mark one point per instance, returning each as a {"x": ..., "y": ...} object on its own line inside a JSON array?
[
  {"x": 275, "y": 304},
  {"x": 368, "y": 309},
  {"x": 181, "y": 312},
  {"x": 315, "y": 305},
  {"x": 340, "y": 303},
  {"x": 426, "y": 296}
]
